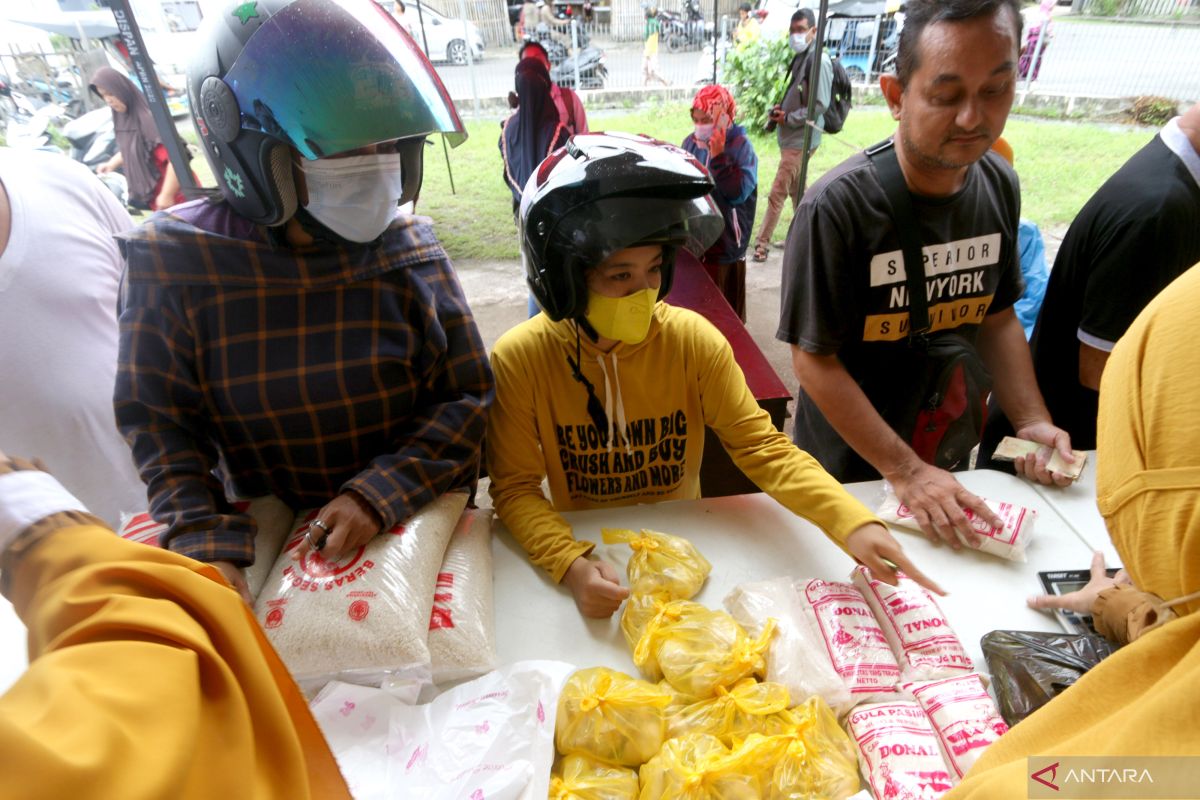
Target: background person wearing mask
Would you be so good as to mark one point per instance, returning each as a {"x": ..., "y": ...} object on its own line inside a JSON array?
[
  {"x": 534, "y": 130},
  {"x": 723, "y": 147},
  {"x": 566, "y": 100},
  {"x": 296, "y": 337},
  {"x": 141, "y": 154},
  {"x": 790, "y": 118}
]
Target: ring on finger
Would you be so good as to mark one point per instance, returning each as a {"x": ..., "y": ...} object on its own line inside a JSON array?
[{"x": 320, "y": 543}]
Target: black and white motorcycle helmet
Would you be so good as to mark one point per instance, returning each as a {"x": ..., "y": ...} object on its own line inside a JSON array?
[
  {"x": 602, "y": 193},
  {"x": 321, "y": 76}
]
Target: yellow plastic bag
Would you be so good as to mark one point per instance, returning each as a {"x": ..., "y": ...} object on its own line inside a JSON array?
[
  {"x": 581, "y": 778},
  {"x": 661, "y": 562},
  {"x": 748, "y": 707},
  {"x": 658, "y": 626},
  {"x": 703, "y": 651},
  {"x": 611, "y": 717},
  {"x": 679, "y": 700},
  {"x": 639, "y": 609},
  {"x": 699, "y": 767},
  {"x": 814, "y": 759}
]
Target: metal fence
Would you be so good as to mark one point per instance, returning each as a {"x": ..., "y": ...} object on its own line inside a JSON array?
[
  {"x": 1140, "y": 8},
  {"x": 1090, "y": 57},
  {"x": 1077, "y": 56}
]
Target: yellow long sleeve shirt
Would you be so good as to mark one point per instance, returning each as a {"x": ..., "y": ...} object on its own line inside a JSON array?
[{"x": 658, "y": 396}]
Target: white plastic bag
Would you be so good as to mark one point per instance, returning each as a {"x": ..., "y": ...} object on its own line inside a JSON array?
[
  {"x": 919, "y": 634},
  {"x": 793, "y": 659},
  {"x": 1008, "y": 541},
  {"x": 842, "y": 626},
  {"x": 365, "y": 615},
  {"x": 963, "y": 716},
  {"x": 898, "y": 751},
  {"x": 274, "y": 520},
  {"x": 462, "y": 628},
  {"x": 492, "y": 738}
]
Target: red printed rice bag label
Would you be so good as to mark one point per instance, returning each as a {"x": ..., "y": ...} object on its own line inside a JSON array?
[
  {"x": 917, "y": 631},
  {"x": 963, "y": 715},
  {"x": 1007, "y": 541},
  {"x": 899, "y": 753},
  {"x": 853, "y": 640}
]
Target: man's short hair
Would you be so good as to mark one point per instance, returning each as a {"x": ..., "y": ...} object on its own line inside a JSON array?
[
  {"x": 746, "y": 7},
  {"x": 805, "y": 14},
  {"x": 920, "y": 13}
]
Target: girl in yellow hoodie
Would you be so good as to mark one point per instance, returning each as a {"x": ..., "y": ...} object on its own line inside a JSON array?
[{"x": 608, "y": 392}]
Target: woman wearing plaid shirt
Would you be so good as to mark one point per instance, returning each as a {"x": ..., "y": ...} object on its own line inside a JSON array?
[{"x": 296, "y": 337}]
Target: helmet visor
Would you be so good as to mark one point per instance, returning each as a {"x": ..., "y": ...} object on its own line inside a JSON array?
[
  {"x": 330, "y": 76},
  {"x": 594, "y": 231}
]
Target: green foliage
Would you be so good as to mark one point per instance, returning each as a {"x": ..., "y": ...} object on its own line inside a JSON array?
[
  {"x": 756, "y": 73},
  {"x": 1156, "y": 111},
  {"x": 1104, "y": 8}
]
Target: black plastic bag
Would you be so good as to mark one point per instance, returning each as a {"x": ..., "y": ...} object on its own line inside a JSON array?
[{"x": 1031, "y": 668}]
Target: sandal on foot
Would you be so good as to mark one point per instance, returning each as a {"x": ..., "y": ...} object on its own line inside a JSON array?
[{"x": 760, "y": 253}]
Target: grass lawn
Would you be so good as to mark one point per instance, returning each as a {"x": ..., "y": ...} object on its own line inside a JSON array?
[{"x": 1060, "y": 164}]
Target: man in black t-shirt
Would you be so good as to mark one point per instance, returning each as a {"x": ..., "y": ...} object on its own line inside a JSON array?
[
  {"x": 845, "y": 303},
  {"x": 1138, "y": 233}
]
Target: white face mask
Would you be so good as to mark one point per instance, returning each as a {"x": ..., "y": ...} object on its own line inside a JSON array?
[
  {"x": 799, "y": 42},
  {"x": 354, "y": 197}
]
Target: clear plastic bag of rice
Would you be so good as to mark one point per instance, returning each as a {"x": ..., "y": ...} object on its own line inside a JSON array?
[
  {"x": 272, "y": 516},
  {"x": 796, "y": 658},
  {"x": 661, "y": 562},
  {"x": 366, "y": 615},
  {"x": 582, "y": 778},
  {"x": 462, "y": 627},
  {"x": 611, "y": 717}
]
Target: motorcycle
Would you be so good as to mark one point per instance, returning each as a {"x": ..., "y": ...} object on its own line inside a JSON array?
[
  {"x": 93, "y": 140},
  {"x": 684, "y": 30},
  {"x": 592, "y": 71}
]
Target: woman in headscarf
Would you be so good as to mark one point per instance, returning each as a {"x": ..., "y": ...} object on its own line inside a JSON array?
[
  {"x": 723, "y": 147},
  {"x": 141, "y": 154},
  {"x": 533, "y": 131},
  {"x": 1142, "y": 700}
]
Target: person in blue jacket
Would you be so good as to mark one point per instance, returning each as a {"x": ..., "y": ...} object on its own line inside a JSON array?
[{"x": 724, "y": 148}]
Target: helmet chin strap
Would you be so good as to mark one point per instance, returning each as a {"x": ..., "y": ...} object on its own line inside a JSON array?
[{"x": 594, "y": 408}]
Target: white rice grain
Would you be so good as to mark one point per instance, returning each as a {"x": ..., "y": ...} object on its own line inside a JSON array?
[
  {"x": 366, "y": 614},
  {"x": 462, "y": 634}
]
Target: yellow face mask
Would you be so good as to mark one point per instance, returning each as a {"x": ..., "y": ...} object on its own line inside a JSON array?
[{"x": 626, "y": 319}]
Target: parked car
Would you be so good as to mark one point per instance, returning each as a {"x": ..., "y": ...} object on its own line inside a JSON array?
[{"x": 444, "y": 35}]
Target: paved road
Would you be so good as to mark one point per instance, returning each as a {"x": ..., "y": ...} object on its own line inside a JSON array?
[{"x": 1096, "y": 59}]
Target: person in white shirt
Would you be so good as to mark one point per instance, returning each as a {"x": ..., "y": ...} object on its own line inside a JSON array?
[{"x": 59, "y": 275}]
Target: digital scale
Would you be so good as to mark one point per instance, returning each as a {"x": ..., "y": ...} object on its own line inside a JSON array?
[{"x": 1064, "y": 582}]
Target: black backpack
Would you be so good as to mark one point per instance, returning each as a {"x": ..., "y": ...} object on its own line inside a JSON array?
[
  {"x": 840, "y": 95},
  {"x": 840, "y": 101}
]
